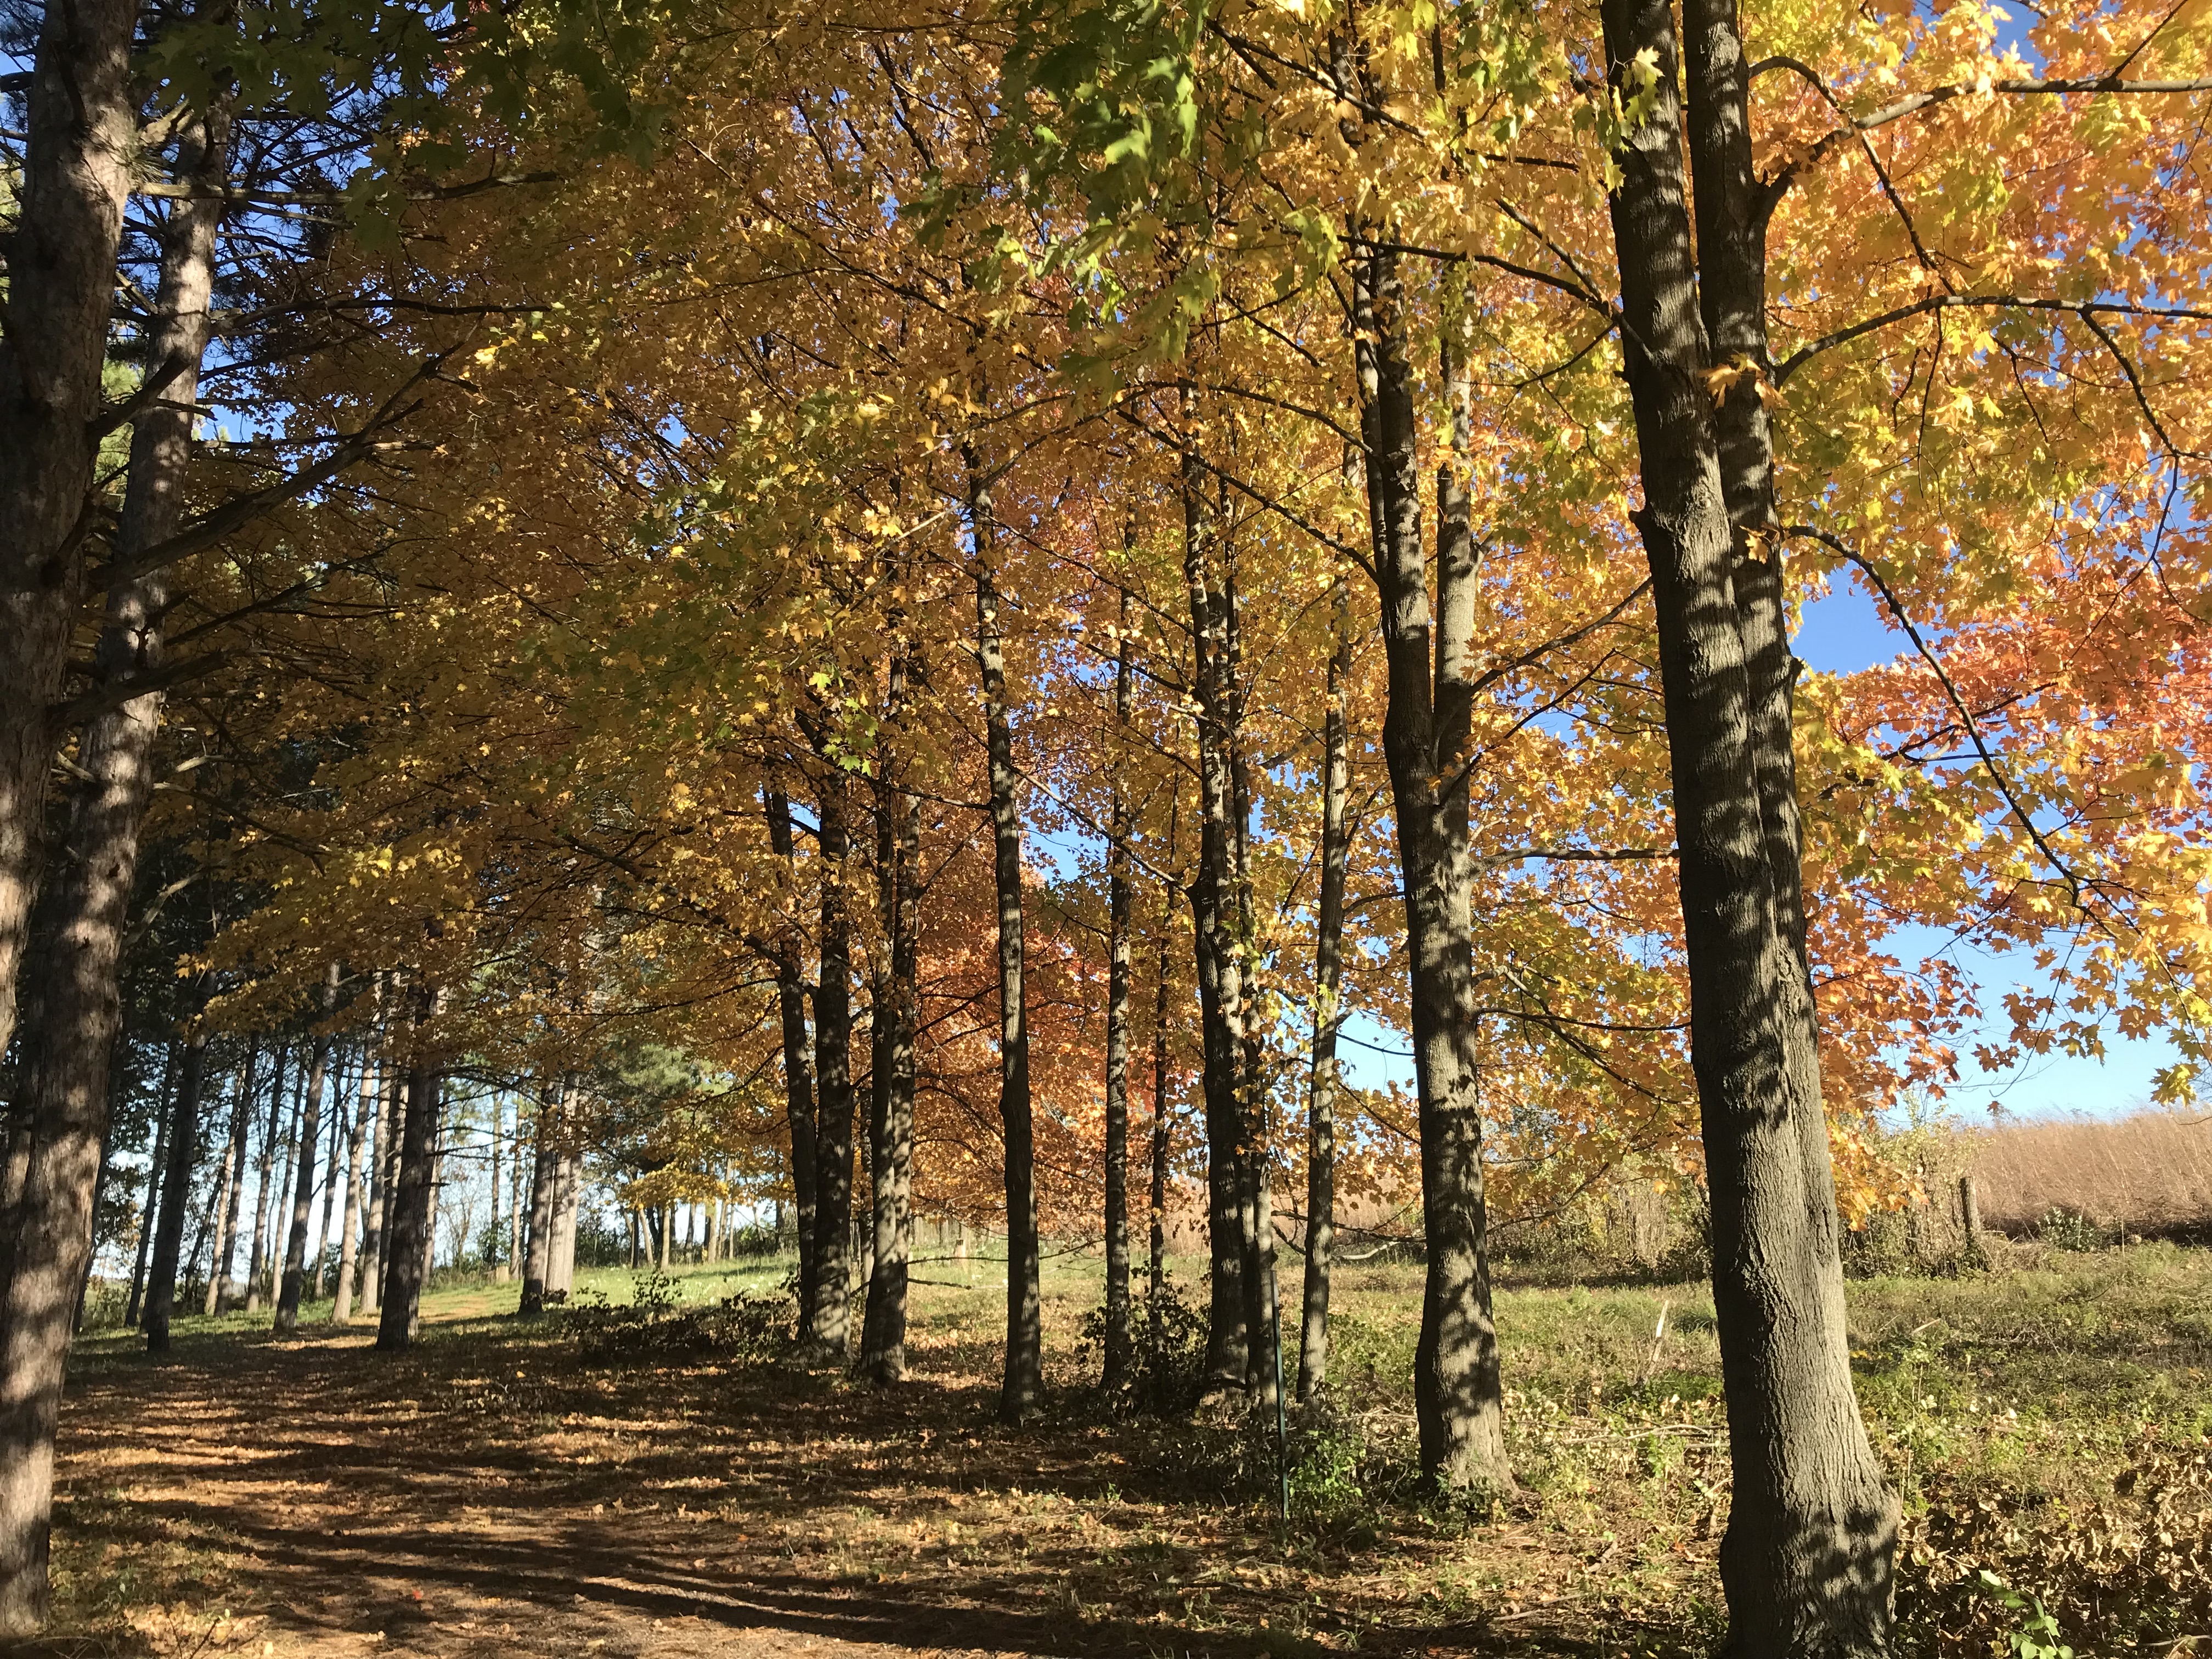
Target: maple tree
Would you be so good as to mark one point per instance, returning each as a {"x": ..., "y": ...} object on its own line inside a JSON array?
[{"x": 877, "y": 545}]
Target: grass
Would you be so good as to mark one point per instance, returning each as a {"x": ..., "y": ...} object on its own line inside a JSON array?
[{"x": 2045, "y": 1427}]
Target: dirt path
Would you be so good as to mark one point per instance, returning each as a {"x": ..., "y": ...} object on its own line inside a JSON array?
[{"x": 486, "y": 1496}]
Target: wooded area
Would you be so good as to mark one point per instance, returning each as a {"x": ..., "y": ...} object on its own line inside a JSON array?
[{"x": 838, "y": 622}]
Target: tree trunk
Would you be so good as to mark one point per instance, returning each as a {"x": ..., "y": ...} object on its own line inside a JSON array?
[
  {"x": 1807, "y": 1561},
  {"x": 303, "y": 1186},
  {"x": 1457, "y": 1386},
  {"x": 1220, "y": 959},
  {"x": 1329, "y": 1013},
  {"x": 376, "y": 1230},
  {"x": 798, "y": 1067},
  {"x": 536, "y": 1254},
  {"x": 499, "y": 1256},
  {"x": 436, "y": 1198},
  {"x": 80, "y": 142},
  {"x": 222, "y": 1215},
  {"x": 176, "y": 1195},
  {"x": 829, "y": 1327},
  {"x": 154, "y": 1168},
  {"x": 892, "y": 1020},
  {"x": 364, "y": 1117},
  {"x": 561, "y": 1245},
  {"x": 332, "y": 1164},
  {"x": 265, "y": 1180},
  {"x": 1159, "y": 1283},
  {"x": 407, "y": 1248},
  {"x": 1115, "y": 1371},
  {"x": 1021, "y": 1394}
]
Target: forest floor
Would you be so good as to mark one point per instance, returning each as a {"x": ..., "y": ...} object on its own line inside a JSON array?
[{"x": 647, "y": 1481}]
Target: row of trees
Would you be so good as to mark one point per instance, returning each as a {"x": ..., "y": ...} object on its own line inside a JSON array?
[{"x": 873, "y": 556}]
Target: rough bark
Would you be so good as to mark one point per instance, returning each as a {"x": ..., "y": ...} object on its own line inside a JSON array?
[
  {"x": 1218, "y": 957},
  {"x": 350, "y": 1234},
  {"x": 78, "y": 148},
  {"x": 1329, "y": 1013},
  {"x": 1457, "y": 1386},
  {"x": 798, "y": 1066},
  {"x": 176, "y": 1195},
  {"x": 1117, "y": 1344},
  {"x": 303, "y": 1186},
  {"x": 561, "y": 1246},
  {"x": 1807, "y": 1561},
  {"x": 892, "y": 1023},
  {"x": 408, "y": 1245},
  {"x": 1020, "y": 1394}
]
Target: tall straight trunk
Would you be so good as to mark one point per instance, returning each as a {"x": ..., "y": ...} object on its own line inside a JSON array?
[
  {"x": 303, "y": 1185},
  {"x": 437, "y": 1194},
  {"x": 265, "y": 1179},
  {"x": 1115, "y": 1370},
  {"x": 364, "y": 1115},
  {"x": 515, "y": 1201},
  {"x": 222, "y": 1214},
  {"x": 1457, "y": 1386},
  {"x": 1159, "y": 1283},
  {"x": 1021, "y": 1393},
  {"x": 154, "y": 1165},
  {"x": 333, "y": 1162},
  {"x": 78, "y": 149},
  {"x": 798, "y": 1067},
  {"x": 376, "y": 1241},
  {"x": 183, "y": 1152},
  {"x": 1807, "y": 1558},
  {"x": 537, "y": 1256},
  {"x": 1329, "y": 1013},
  {"x": 499, "y": 1255},
  {"x": 1255, "y": 1225},
  {"x": 828, "y": 1331},
  {"x": 408, "y": 1243},
  {"x": 898, "y": 838},
  {"x": 1219, "y": 955}
]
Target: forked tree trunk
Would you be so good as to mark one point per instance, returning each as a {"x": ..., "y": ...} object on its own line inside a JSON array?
[
  {"x": 78, "y": 150},
  {"x": 183, "y": 1152},
  {"x": 1457, "y": 1386},
  {"x": 303, "y": 1186},
  {"x": 1020, "y": 1394},
  {"x": 364, "y": 1116},
  {"x": 1220, "y": 959},
  {"x": 1117, "y": 1344},
  {"x": 898, "y": 833},
  {"x": 830, "y": 1328},
  {"x": 1329, "y": 1013},
  {"x": 798, "y": 1066},
  {"x": 1806, "y": 1561}
]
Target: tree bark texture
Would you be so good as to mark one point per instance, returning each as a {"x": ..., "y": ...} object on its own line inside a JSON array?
[
  {"x": 1807, "y": 1561},
  {"x": 303, "y": 1186},
  {"x": 78, "y": 150},
  {"x": 1219, "y": 955},
  {"x": 1021, "y": 1392},
  {"x": 1329, "y": 1013},
  {"x": 382, "y": 1151},
  {"x": 407, "y": 1250},
  {"x": 536, "y": 1250},
  {"x": 1158, "y": 1241},
  {"x": 222, "y": 1215},
  {"x": 1457, "y": 1386},
  {"x": 183, "y": 1152}
]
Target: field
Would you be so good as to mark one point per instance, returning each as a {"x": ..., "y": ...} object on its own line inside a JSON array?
[{"x": 648, "y": 1481}]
